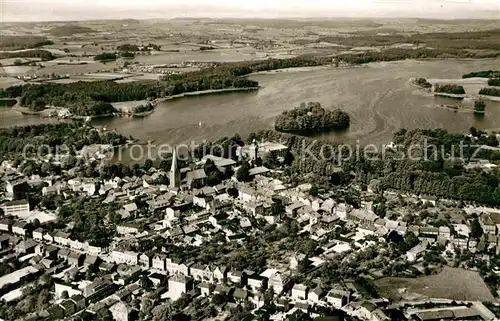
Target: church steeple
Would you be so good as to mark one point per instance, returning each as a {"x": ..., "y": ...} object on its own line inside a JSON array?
[{"x": 175, "y": 176}]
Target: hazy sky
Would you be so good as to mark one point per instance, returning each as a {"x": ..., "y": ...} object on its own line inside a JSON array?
[{"x": 40, "y": 10}]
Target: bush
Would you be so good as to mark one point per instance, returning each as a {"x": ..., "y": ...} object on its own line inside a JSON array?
[
  {"x": 143, "y": 108},
  {"x": 105, "y": 56},
  {"x": 450, "y": 89},
  {"x": 483, "y": 74},
  {"x": 479, "y": 106},
  {"x": 494, "y": 82},
  {"x": 422, "y": 82},
  {"x": 127, "y": 54},
  {"x": 490, "y": 92}
]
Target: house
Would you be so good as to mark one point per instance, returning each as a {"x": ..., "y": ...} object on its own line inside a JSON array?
[
  {"x": 257, "y": 282},
  {"x": 62, "y": 254},
  {"x": 55, "y": 312},
  {"x": 69, "y": 307},
  {"x": 293, "y": 208},
  {"x": 91, "y": 261},
  {"x": 21, "y": 228},
  {"x": 299, "y": 292},
  {"x": 412, "y": 254},
  {"x": 196, "y": 177},
  {"x": 337, "y": 298},
  {"x": 159, "y": 262},
  {"x": 206, "y": 289},
  {"x": 379, "y": 315},
  {"x": 177, "y": 267},
  {"x": 277, "y": 281},
  {"x": 157, "y": 279},
  {"x": 362, "y": 217},
  {"x": 38, "y": 234},
  {"x": 79, "y": 301},
  {"x": 236, "y": 277},
  {"x": 6, "y": 225},
  {"x": 488, "y": 222},
  {"x": 40, "y": 249},
  {"x": 197, "y": 271},
  {"x": 220, "y": 273},
  {"x": 4, "y": 242},
  {"x": 25, "y": 247},
  {"x": 316, "y": 295},
  {"x": 179, "y": 284},
  {"x": 16, "y": 208},
  {"x": 62, "y": 238},
  {"x": 146, "y": 259},
  {"x": 127, "y": 257},
  {"x": 240, "y": 295},
  {"x": 329, "y": 221},
  {"x": 246, "y": 194},
  {"x": 127, "y": 228},
  {"x": 75, "y": 259},
  {"x": 15, "y": 187},
  {"x": 98, "y": 289}
]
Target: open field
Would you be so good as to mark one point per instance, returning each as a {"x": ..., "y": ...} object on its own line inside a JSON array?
[{"x": 451, "y": 283}]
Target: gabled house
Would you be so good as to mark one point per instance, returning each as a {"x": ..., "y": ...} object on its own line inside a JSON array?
[
  {"x": 220, "y": 274},
  {"x": 316, "y": 295},
  {"x": 159, "y": 262},
  {"x": 21, "y": 228},
  {"x": 299, "y": 292},
  {"x": 75, "y": 259},
  {"x": 6, "y": 225},
  {"x": 38, "y": 234},
  {"x": 146, "y": 259}
]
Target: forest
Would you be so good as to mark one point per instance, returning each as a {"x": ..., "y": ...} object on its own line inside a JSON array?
[
  {"x": 42, "y": 54},
  {"x": 478, "y": 40},
  {"x": 450, "y": 89},
  {"x": 490, "y": 92},
  {"x": 13, "y": 140},
  {"x": 483, "y": 74},
  {"x": 23, "y": 42},
  {"x": 105, "y": 56},
  {"x": 311, "y": 118},
  {"x": 494, "y": 82},
  {"x": 94, "y": 98}
]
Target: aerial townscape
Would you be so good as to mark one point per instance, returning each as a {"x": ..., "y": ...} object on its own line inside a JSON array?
[{"x": 249, "y": 168}]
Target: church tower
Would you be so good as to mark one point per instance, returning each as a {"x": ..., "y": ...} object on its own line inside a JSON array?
[{"x": 175, "y": 175}]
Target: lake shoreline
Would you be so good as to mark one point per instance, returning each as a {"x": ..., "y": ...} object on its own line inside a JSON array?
[
  {"x": 156, "y": 102},
  {"x": 204, "y": 93}
]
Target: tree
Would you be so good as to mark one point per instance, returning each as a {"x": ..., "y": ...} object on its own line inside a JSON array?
[
  {"x": 473, "y": 131},
  {"x": 243, "y": 173},
  {"x": 64, "y": 295},
  {"x": 476, "y": 231},
  {"x": 314, "y": 190},
  {"x": 162, "y": 313},
  {"x": 479, "y": 106},
  {"x": 277, "y": 208}
]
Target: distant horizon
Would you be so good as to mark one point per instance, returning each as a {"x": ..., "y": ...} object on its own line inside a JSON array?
[
  {"x": 250, "y": 18},
  {"x": 88, "y": 10}
]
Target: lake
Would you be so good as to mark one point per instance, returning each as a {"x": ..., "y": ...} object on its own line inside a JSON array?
[{"x": 378, "y": 97}]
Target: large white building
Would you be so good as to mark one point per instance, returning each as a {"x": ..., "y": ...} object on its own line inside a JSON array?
[
  {"x": 177, "y": 285},
  {"x": 16, "y": 208}
]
